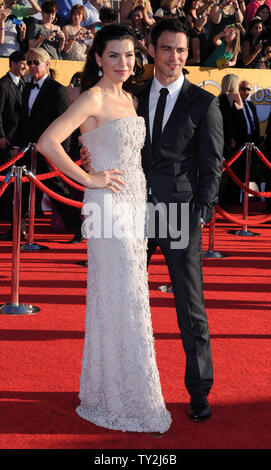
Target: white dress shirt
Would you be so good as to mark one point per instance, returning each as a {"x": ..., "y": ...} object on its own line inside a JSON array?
[
  {"x": 15, "y": 79},
  {"x": 174, "y": 90},
  {"x": 34, "y": 93}
]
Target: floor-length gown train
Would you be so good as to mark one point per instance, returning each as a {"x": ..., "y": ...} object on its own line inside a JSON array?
[{"x": 120, "y": 386}]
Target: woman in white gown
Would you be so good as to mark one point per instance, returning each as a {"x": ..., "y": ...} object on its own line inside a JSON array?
[{"x": 120, "y": 387}]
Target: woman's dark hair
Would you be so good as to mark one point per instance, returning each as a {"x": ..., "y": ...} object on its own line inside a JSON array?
[
  {"x": 110, "y": 32},
  {"x": 173, "y": 25},
  {"x": 262, "y": 7},
  {"x": 108, "y": 15},
  {"x": 49, "y": 7}
]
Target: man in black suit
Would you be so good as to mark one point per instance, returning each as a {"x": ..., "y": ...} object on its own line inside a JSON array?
[
  {"x": 11, "y": 88},
  {"x": 182, "y": 161},
  {"x": 247, "y": 130},
  {"x": 44, "y": 99}
]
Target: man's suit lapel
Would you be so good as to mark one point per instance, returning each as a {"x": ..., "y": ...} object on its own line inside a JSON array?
[{"x": 180, "y": 109}]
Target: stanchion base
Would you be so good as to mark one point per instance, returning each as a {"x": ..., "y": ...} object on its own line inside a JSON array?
[
  {"x": 33, "y": 247},
  {"x": 167, "y": 289},
  {"x": 244, "y": 233},
  {"x": 214, "y": 254},
  {"x": 18, "y": 309}
]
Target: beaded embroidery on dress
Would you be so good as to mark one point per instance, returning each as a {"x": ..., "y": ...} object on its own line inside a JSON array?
[{"x": 119, "y": 386}]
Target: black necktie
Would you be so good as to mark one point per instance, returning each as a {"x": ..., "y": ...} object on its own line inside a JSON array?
[
  {"x": 252, "y": 128},
  {"x": 158, "y": 118},
  {"x": 34, "y": 85},
  {"x": 21, "y": 86}
]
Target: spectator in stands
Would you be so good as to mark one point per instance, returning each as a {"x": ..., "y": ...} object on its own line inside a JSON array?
[
  {"x": 226, "y": 13},
  {"x": 169, "y": 8},
  {"x": 12, "y": 36},
  {"x": 253, "y": 48},
  {"x": 197, "y": 17},
  {"x": 76, "y": 35},
  {"x": 252, "y": 8},
  {"x": 11, "y": 87},
  {"x": 263, "y": 12},
  {"x": 92, "y": 8},
  {"x": 227, "y": 44},
  {"x": 108, "y": 16},
  {"x": 64, "y": 9},
  {"x": 46, "y": 34},
  {"x": 4, "y": 13},
  {"x": 41, "y": 105},
  {"x": 142, "y": 33},
  {"x": 126, "y": 6}
]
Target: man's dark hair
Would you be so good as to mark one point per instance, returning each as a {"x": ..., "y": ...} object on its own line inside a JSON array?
[
  {"x": 16, "y": 56},
  {"x": 173, "y": 25}
]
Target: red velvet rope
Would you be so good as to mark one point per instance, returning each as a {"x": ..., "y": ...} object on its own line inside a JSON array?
[
  {"x": 3, "y": 187},
  {"x": 13, "y": 160},
  {"x": 52, "y": 194},
  {"x": 263, "y": 158},
  {"x": 66, "y": 179},
  {"x": 243, "y": 186},
  {"x": 232, "y": 159},
  {"x": 252, "y": 221}
]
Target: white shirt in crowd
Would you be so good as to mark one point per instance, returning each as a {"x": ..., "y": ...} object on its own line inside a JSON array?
[
  {"x": 174, "y": 90},
  {"x": 34, "y": 93}
]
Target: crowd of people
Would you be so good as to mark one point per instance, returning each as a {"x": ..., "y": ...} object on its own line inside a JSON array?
[{"x": 227, "y": 33}]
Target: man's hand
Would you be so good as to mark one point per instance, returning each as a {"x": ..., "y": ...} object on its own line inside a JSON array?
[
  {"x": 86, "y": 160},
  {"x": 3, "y": 143}
]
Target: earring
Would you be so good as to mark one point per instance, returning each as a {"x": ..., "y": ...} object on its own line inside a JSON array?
[
  {"x": 133, "y": 73},
  {"x": 100, "y": 72}
]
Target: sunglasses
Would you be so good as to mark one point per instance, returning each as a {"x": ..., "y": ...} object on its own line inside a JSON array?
[
  {"x": 244, "y": 88},
  {"x": 35, "y": 62}
]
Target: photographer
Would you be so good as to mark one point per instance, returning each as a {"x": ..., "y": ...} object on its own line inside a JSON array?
[
  {"x": 253, "y": 48},
  {"x": 141, "y": 31},
  {"x": 46, "y": 34},
  {"x": 223, "y": 14},
  {"x": 77, "y": 37}
]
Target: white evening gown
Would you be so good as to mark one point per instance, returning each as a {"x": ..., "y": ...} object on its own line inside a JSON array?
[{"x": 119, "y": 386}]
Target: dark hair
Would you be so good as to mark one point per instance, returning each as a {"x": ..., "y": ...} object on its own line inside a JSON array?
[
  {"x": 108, "y": 14},
  {"x": 262, "y": 7},
  {"x": 107, "y": 33},
  {"x": 16, "y": 56},
  {"x": 49, "y": 7},
  {"x": 174, "y": 25},
  {"x": 138, "y": 8}
]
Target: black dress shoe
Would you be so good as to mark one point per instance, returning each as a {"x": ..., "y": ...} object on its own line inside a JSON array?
[
  {"x": 199, "y": 409},
  {"x": 78, "y": 238}
]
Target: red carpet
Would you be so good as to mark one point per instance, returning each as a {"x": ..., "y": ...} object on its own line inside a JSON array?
[{"x": 41, "y": 353}]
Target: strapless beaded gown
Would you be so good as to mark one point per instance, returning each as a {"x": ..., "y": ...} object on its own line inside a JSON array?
[{"x": 119, "y": 386}]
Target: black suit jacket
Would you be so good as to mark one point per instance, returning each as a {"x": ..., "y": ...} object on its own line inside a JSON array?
[
  {"x": 51, "y": 101},
  {"x": 240, "y": 126},
  {"x": 10, "y": 108},
  {"x": 188, "y": 159}
]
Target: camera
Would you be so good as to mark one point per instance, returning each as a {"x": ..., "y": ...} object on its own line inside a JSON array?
[
  {"x": 266, "y": 43},
  {"x": 138, "y": 35}
]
